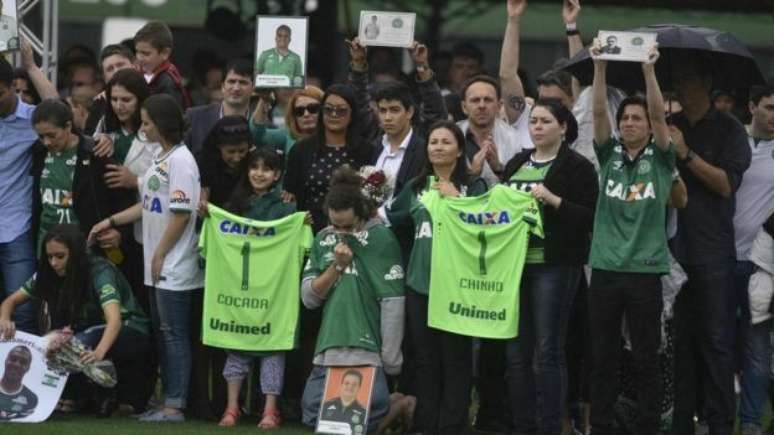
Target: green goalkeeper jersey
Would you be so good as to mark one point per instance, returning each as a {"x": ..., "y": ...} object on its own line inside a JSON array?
[
  {"x": 352, "y": 311},
  {"x": 251, "y": 283},
  {"x": 479, "y": 249}
]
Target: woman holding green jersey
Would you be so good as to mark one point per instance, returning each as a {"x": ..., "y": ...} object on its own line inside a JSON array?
[{"x": 443, "y": 360}]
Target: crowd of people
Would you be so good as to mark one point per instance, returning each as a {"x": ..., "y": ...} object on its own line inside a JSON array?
[{"x": 647, "y": 299}]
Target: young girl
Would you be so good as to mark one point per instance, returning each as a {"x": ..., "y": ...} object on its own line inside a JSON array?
[
  {"x": 91, "y": 296},
  {"x": 170, "y": 192},
  {"x": 255, "y": 198}
]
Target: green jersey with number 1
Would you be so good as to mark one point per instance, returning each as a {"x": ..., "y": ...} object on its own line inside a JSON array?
[
  {"x": 251, "y": 282},
  {"x": 479, "y": 248}
]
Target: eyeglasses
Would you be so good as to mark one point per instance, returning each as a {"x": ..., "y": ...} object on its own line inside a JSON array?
[
  {"x": 301, "y": 110},
  {"x": 334, "y": 111}
]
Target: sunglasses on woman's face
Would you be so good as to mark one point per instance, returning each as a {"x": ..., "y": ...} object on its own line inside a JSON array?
[
  {"x": 301, "y": 110},
  {"x": 335, "y": 111}
]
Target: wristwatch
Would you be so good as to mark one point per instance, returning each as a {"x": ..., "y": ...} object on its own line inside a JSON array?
[{"x": 688, "y": 157}]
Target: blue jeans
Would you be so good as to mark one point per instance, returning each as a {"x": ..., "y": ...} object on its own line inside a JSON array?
[
  {"x": 17, "y": 264},
  {"x": 171, "y": 315},
  {"x": 705, "y": 324},
  {"x": 313, "y": 393},
  {"x": 536, "y": 366},
  {"x": 756, "y": 351}
]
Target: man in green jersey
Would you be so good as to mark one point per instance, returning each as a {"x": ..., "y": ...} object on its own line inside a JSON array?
[
  {"x": 16, "y": 400},
  {"x": 628, "y": 249},
  {"x": 282, "y": 61},
  {"x": 355, "y": 274}
]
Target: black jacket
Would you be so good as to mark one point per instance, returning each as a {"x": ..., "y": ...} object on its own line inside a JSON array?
[
  {"x": 92, "y": 199},
  {"x": 300, "y": 159},
  {"x": 413, "y": 160},
  {"x": 567, "y": 229}
]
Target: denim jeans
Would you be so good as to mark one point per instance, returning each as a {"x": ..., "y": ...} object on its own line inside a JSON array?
[
  {"x": 638, "y": 296},
  {"x": 129, "y": 353},
  {"x": 171, "y": 315},
  {"x": 756, "y": 351},
  {"x": 313, "y": 393},
  {"x": 705, "y": 324},
  {"x": 536, "y": 365},
  {"x": 17, "y": 264}
]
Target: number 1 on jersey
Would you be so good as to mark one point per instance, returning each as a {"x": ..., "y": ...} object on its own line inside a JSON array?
[
  {"x": 245, "y": 265},
  {"x": 482, "y": 253}
]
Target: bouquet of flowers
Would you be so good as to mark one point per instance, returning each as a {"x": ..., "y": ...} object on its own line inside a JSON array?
[
  {"x": 376, "y": 186},
  {"x": 63, "y": 352}
]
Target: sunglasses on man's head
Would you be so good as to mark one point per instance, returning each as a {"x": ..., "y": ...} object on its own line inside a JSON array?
[{"x": 311, "y": 108}]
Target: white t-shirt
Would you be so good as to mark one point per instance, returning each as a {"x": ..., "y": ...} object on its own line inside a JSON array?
[
  {"x": 172, "y": 183},
  {"x": 755, "y": 197}
]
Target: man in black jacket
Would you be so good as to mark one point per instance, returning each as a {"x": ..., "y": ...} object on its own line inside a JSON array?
[
  {"x": 399, "y": 131},
  {"x": 237, "y": 88}
]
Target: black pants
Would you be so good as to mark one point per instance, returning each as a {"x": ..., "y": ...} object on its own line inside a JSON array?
[
  {"x": 705, "y": 312},
  {"x": 443, "y": 364},
  {"x": 637, "y": 296}
]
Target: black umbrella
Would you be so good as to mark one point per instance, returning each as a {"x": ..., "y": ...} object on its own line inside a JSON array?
[{"x": 733, "y": 66}]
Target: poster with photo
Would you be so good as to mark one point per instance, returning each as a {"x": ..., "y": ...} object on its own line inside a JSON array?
[
  {"x": 9, "y": 26},
  {"x": 280, "y": 51},
  {"x": 625, "y": 46},
  {"x": 387, "y": 29},
  {"x": 346, "y": 399},
  {"x": 29, "y": 391}
]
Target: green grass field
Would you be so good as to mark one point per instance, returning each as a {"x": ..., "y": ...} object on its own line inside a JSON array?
[{"x": 85, "y": 425}]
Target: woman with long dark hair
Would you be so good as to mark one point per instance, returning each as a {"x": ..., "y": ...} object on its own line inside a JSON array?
[
  {"x": 91, "y": 296},
  {"x": 443, "y": 360},
  {"x": 170, "y": 193},
  {"x": 313, "y": 160},
  {"x": 565, "y": 185}
]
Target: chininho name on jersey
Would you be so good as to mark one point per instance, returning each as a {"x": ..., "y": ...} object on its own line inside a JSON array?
[
  {"x": 472, "y": 311},
  {"x": 221, "y": 325},
  {"x": 634, "y": 192},
  {"x": 486, "y": 218},
  {"x": 229, "y": 227},
  {"x": 477, "y": 284}
]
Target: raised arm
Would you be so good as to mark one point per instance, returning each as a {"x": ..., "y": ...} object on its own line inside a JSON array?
[
  {"x": 432, "y": 105},
  {"x": 602, "y": 130},
  {"x": 570, "y": 11},
  {"x": 42, "y": 84},
  {"x": 655, "y": 101},
  {"x": 512, "y": 87},
  {"x": 358, "y": 78}
]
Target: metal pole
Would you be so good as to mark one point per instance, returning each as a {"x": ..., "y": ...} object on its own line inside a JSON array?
[{"x": 47, "y": 44}]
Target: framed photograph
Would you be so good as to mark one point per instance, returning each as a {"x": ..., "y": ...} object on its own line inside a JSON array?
[
  {"x": 9, "y": 26},
  {"x": 34, "y": 388},
  {"x": 345, "y": 401},
  {"x": 280, "y": 51},
  {"x": 387, "y": 29},
  {"x": 626, "y": 46}
]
